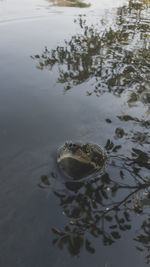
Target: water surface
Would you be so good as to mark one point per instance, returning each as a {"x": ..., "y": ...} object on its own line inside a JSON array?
[{"x": 72, "y": 72}]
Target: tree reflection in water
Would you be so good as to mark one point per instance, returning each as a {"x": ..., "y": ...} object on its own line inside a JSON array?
[{"x": 115, "y": 60}]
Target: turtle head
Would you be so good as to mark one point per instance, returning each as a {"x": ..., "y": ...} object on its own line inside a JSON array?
[{"x": 71, "y": 147}]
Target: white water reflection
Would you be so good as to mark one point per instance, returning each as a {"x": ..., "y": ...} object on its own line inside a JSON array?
[{"x": 15, "y": 10}]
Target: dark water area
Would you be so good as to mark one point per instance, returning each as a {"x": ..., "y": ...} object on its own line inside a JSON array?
[{"x": 80, "y": 71}]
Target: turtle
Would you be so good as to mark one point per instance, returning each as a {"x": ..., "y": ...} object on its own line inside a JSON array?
[{"x": 79, "y": 160}]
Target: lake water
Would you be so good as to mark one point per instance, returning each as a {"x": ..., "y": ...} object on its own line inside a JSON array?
[{"x": 73, "y": 70}]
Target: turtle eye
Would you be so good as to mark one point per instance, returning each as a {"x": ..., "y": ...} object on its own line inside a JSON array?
[
  {"x": 70, "y": 145},
  {"x": 87, "y": 148}
]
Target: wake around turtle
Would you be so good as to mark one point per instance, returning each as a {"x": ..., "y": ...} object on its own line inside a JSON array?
[{"x": 79, "y": 160}]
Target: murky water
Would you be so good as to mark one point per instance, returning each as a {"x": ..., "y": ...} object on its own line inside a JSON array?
[{"x": 73, "y": 70}]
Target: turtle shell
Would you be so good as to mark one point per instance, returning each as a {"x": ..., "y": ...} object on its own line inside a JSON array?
[{"x": 79, "y": 160}]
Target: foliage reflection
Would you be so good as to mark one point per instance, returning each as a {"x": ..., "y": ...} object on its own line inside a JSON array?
[{"x": 116, "y": 59}]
